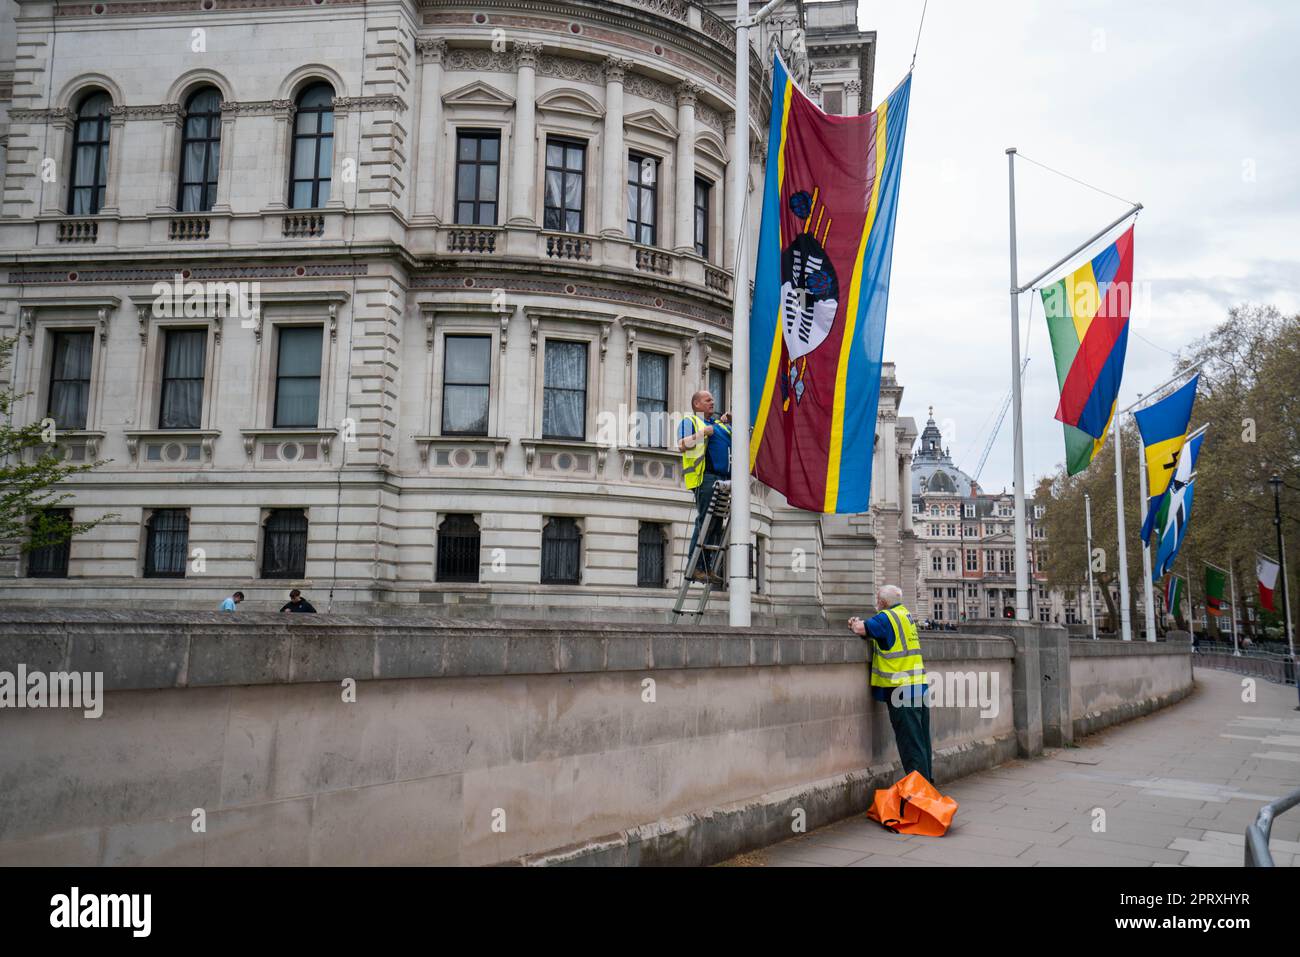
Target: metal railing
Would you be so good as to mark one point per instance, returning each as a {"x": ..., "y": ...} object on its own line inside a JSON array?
[
  {"x": 1259, "y": 664},
  {"x": 1257, "y": 853}
]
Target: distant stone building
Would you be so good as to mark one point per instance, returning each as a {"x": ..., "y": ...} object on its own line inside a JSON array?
[
  {"x": 966, "y": 546},
  {"x": 485, "y": 253}
]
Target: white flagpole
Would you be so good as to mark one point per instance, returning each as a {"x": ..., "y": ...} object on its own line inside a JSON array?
[
  {"x": 1232, "y": 584},
  {"x": 1092, "y": 609},
  {"x": 1017, "y": 425},
  {"x": 1148, "y": 598},
  {"x": 738, "y": 570},
  {"x": 1126, "y": 625}
]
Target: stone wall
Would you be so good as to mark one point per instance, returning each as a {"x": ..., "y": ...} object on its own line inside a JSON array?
[{"x": 472, "y": 743}]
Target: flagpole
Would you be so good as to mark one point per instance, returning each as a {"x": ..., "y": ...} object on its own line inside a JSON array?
[
  {"x": 1017, "y": 425},
  {"x": 1092, "y": 608},
  {"x": 1126, "y": 625},
  {"x": 1232, "y": 585},
  {"x": 1148, "y": 596},
  {"x": 738, "y": 570}
]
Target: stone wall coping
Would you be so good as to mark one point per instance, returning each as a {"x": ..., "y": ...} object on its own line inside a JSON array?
[
  {"x": 1111, "y": 648},
  {"x": 140, "y": 650}
]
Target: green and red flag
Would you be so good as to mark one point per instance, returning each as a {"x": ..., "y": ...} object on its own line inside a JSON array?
[{"x": 1215, "y": 581}]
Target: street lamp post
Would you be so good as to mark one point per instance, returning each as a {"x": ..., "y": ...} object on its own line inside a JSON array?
[{"x": 1276, "y": 482}]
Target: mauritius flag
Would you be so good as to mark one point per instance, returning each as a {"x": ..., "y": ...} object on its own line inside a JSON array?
[
  {"x": 821, "y": 285},
  {"x": 1087, "y": 318}
]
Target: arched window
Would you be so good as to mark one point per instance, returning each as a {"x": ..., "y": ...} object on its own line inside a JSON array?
[
  {"x": 200, "y": 151},
  {"x": 89, "y": 156},
  {"x": 313, "y": 148}
]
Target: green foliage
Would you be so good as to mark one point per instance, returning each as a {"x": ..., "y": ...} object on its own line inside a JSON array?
[{"x": 30, "y": 471}]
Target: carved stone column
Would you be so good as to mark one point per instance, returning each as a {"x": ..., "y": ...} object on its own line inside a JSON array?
[
  {"x": 523, "y": 179},
  {"x": 59, "y": 150},
  {"x": 117, "y": 129},
  {"x": 224, "y": 172},
  {"x": 853, "y": 97},
  {"x": 428, "y": 115},
  {"x": 612, "y": 217},
  {"x": 169, "y": 168},
  {"x": 283, "y": 110},
  {"x": 684, "y": 233}
]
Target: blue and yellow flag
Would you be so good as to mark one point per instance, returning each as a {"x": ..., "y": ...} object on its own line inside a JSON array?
[
  {"x": 821, "y": 286},
  {"x": 1173, "y": 514},
  {"x": 1164, "y": 430}
]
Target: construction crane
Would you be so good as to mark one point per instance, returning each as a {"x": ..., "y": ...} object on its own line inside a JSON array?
[{"x": 997, "y": 426}]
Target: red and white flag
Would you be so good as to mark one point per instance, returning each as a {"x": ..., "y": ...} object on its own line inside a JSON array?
[{"x": 1267, "y": 569}]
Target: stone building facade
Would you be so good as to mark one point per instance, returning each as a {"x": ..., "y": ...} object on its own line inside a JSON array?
[
  {"x": 966, "y": 546},
  {"x": 393, "y": 302}
]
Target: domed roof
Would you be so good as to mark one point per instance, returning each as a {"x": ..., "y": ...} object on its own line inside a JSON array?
[{"x": 932, "y": 466}]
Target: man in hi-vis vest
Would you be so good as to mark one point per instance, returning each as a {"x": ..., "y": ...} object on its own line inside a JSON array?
[
  {"x": 898, "y": 677},
  {"x": 704, "y": 439}
]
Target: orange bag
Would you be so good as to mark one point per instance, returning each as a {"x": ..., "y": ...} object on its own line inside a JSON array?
[{"x": 913, "y": 806}]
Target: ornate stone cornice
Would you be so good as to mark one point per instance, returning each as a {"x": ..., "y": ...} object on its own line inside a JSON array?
[
  {"x": 710, "y": 118},
  {"x": 617, "y": 68},
  {"x": 650, "y": 88},
  {"x": 431, "y": 50},
  {"x": 155, "y": 111},
  {"x": 853, "y": 86},
  {"x": 39, "y": 116},
  {"x": 382, "y": 101},
  {"x": 567, "y": 68},
  {"x": 527, "y": 52},
  {"x": 258, "y": 107},
  {"x": 479, "y": 61},
  {"x": 688, "y": 93}
]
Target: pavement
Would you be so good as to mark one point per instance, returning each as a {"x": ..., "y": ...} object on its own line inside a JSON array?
[{"x": 1177, "y": 788}]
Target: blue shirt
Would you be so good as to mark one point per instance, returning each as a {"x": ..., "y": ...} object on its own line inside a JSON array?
[
  {"x": 717, "y": 452},
  {"x": 227, "y": 605},
  {"x": 880, "y": 628}
]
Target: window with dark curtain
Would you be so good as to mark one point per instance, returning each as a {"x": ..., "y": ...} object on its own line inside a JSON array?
[
  {"x": 703, "y": 190},
  {"x": 652, "y": 399},
  {"x": 458, "y": 549},
  {"x": 651, "y": 540},
  {"x": 642, "y": 198},
  {"x": 70, "y": 378},
  {"x": 51, "y": 561},
  {"x": 478, "y": 157},
  {"x": 564, "y": 395},
  {"x": 313, "y": 148},
  {"x": 466, "y": 378},
  {"x": 284, "y": 544},
  {"x": 89, "y": 178},
  {"x": 566, "y": 178},
  {"x": 833, "y": 101},
  {"x": 561, "y": 551},
  {"x": 718, "y": 389},
  {"x": 181, "y": 405},
  {"x": 167, "y": 543},
  {"x": 297, "y": 378},
  {"x": 200, "y": 152}
]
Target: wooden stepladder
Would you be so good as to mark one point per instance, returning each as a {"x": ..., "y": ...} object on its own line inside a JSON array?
[{"x": 719, "y": 513}]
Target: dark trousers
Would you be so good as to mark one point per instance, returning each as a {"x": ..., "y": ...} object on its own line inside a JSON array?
[
  {"x": 704, "y": 492},
  {"x": 912, "y": 735}
]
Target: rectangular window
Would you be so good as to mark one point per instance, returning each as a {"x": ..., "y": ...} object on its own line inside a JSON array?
[
  {"x": 566, "y": 185},
  {"x": 166, "y": 545},
  {"x": 478, "y": 163},
  {"x": 833, "y": 100},
  {"x": 650, "y": 552},
  {"x": 297, "y": 378},
  {"x": 564, "y": 393},
  {"x": 642, "y": 198},
  {"x": 465, "y": 385},
  {"x": 70, "y": 378},
  {"x": 652, "y": 399},
  {"x": 51, "y": 561},
  {"x": 284, "y": 544},
  {"x": 718, "y": 388},
  {"x": 972, "y": 561},
  {"x": 703, "y": 190},
  {"x": 181, "y": 405},
  {"x": 458, "y": 549},
  {"x": 561, "y": 551}
]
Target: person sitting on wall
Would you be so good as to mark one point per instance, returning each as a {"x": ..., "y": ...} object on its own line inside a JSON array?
[
  {"x": 230, "y": 603},
  {"x": 297, "y": 603},
  {"x": 704, "y": 440}
]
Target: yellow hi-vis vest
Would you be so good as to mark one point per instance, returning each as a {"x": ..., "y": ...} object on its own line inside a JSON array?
[
  {"x": 694, "y": 458},
  {"x": 901, "y": 664}
]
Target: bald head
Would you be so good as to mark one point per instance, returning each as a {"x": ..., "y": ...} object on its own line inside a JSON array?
[{"x": 702, "y": 401}]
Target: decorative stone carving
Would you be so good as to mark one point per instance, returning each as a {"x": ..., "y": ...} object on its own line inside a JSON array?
[
  {"x": 142, "y": 317},
  {"x": 616, "y": 69},
  {"x": 355, "y": 104},
  {"x": 431, "y": 50},
  {"x": 258, "y": 107},
  {"x": 479, "y": 61},
  {"x": 156, "y": 111},
  {"x": 527, "y": 52},
  {"x": 710, "y": 118},
  {"x": 853, "y": 86},
  {"x": 103, "y": 313},
  {"x": 688, "y": 93},
  {"x": 649, "y": 88},
  {"x": 27, "y": 317},
  {"x": 38, "y": 116},
  {"x": 567, "y": 68}
]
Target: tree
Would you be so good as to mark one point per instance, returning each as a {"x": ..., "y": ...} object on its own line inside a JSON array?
[{"x": 31, "y": 469}]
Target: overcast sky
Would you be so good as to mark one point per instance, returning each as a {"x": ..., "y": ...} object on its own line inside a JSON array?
[{"x": 1187, "y": 107}]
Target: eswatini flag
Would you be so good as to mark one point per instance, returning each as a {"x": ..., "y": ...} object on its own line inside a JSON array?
[
  {"x": 821, "y": 286},
  {"x": 1267, "y": 570},
  {"x": 1087, "y": 317}
]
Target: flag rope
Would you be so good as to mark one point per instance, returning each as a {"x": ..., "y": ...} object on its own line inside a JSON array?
[{"x": 1074, "y": 179}]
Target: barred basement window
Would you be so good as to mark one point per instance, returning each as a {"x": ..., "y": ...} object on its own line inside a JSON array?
[
  {"x": 458, "y": 549},
  {"x": 50, "y": 561},
  {"x": 284, "y": 544},
  {"x": 561, "y": 551},
  {"x": 651, "y": 540},
  {"x": 167, "y": 543}
]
